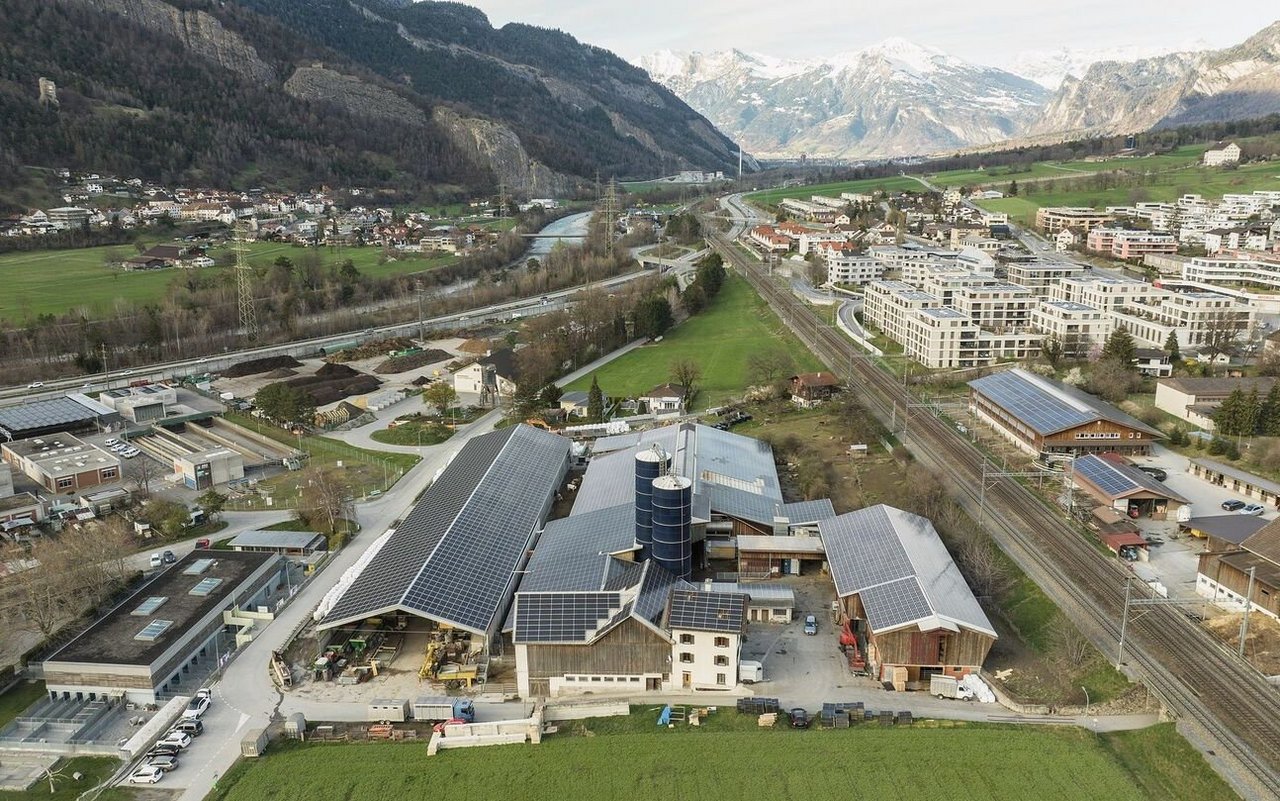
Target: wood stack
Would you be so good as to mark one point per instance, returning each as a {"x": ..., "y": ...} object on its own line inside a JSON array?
[
  {"x": 380, "y": 731},
  {"x": 767, "y": 720}
]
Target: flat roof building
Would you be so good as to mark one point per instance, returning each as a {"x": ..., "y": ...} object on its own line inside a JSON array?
[
  {"x": 61, "y": 463},
  {"x": 73, "y": 412},
  {"x": 285, "y": 543},
  {"x": 165, "y": 637}
]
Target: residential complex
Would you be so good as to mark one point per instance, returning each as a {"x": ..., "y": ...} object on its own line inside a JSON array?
[{"x": 1052, "y": 219}]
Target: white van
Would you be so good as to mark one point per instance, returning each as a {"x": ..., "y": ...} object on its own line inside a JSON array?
[
  {"x": 157, "y": 560},
  {"x": 750, "y": 672}
]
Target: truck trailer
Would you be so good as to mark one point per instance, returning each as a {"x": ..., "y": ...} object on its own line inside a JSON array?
[{"x": 438, "y": 708}]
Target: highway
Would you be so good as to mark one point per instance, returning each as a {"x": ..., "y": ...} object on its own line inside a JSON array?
[{"x": 1222, "y": 704}]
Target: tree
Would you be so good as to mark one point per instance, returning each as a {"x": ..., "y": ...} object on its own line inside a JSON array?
[
  {"x": 711, "y": 274},
  {"x": 595, "y": 402},
  {"x": 1051, "y": 349},
  {"x": 166, "y": 517},
  {"x": 549, "y": 396},
  {"x": 212, "y": 502},
  {"x": 1112, "y": 380},
  {"x": 524, "y": 402},
  {"x": 1230, "y": 415},
  {"x": 1269, "y": 363},
  {"x": 686, "y": 373},
  {"x": 1120, "y": 347},
  {"x": 1251, "y": 413},
  {"x": 440, "y": 395},
  {"x": 769, "y": 367},
  {"x": 693, "y": 299},
  {"x": 1171, "y": 347},
  {"x": 326, "y": 497},
  {"x": 285, "y": 404},
  {"x": 140, "y": 473},
  {"x": 1221, "y": 332},
  {"x": 1013, "y": 189},
  {"x": 1270, "y": 422},
  {"x": 652, "y": 316}
]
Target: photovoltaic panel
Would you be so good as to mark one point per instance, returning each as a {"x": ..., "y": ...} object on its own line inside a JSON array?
[
  {"x": 564, "y": 617},
  {"x": 572, "y": 553},
  {"x": 707, "y": 611},
  {"x": 895, "y": 603},
  {"x": 1041, "y": 410},
  {"x": 1104, "y": 475}
]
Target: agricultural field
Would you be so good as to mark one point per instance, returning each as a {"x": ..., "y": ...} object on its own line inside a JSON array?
[
  {"x": 630, "y": 758},
  {"x": 57, "y": 281},
  {"x": 1000, "y": 175},
  {"x": 894, "y": 183},
  {"x": 720, "y": 339}
]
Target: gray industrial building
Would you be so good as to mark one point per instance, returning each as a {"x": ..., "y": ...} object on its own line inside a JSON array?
[
  {"x": 73, "y": 412},
  {"x": 166, "y": 636}
]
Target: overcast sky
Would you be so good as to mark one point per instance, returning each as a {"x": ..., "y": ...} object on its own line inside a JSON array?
[{"x": 982, "y": 31}]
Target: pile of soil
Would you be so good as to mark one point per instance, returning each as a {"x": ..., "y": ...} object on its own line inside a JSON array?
[
  {"x": 282, "y": 372},
  {"x": 400, "y": 364},
  {"x": 263, "y": 365},
  {"x": 334, "y": 382},
  {"x": 1261, "y": 647},
  {"x": 369, "y": 350}
]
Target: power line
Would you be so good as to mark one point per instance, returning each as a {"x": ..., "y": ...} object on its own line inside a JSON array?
[{"x": 244, "y": 284}]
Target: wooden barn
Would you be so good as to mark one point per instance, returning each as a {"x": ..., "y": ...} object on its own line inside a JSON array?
[
  {"x": 1223, "y": 573},
  {"x": 1040, "y": 415},
  {"x": 910, "y": 609}
]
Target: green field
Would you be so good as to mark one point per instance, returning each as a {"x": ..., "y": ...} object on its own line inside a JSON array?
[
  {"x": 18, "y": 698},
  {"x": 732, "y": 759},
  {"x": 57, "y": 281},
  {"x": 66, "y": 788},
  {"x": 719, "y": 339},
  {"x": 893, "y": 183},
  {"x": 1000, "y": 175}
]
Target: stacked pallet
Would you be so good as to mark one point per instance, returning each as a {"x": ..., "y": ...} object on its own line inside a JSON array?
[{"x": 767, "y": 720}]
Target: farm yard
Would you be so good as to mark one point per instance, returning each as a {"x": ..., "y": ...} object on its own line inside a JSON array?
[
  {"x": 629, "y": 758},
  {"x": 719, "y": 339}
]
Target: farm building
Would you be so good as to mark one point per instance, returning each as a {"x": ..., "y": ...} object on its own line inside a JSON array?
[
  {"x": 166, "y": 637},
  {"x": 455, "y": 559},
  {"x": 1124, "y": 488},
  {"x": 911, "y": 610},
  {"x": 1264, "y": 490},
  {"x": 1222, "y": 532},
  {"x": 1040, "y": 415},
  {"x": 1197, "y": 399},
  {"x": 810, "y": 389},
  {"x": 1223, "y": 573},
  {"x": 71, "y": 413},
  {"x": 766, "y": 602}
]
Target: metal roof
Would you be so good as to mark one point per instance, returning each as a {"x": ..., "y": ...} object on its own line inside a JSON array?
[
  {"x": 1233, "y": 528},
  {"x": 763, "y": 543},
  {"x": 895, "y": 562},
  {"x": 1118, "y": 480},
  {"x": 707, "y": 611},
  {"x": 636, "y": 590},
  {"x": 454, "y": 557},
  {"x": 1239, "y": 475},
  {"x": 762, "y": 592},
  {"x": 573, "y": 553},
  {"x": 51, "y": 413},
  {"x": 291, "y": 540},
  {"x": 1049, "y": 406},
  {"x": 809, "y": 511}
]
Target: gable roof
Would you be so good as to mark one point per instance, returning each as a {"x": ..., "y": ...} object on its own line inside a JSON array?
[
  {"x": 454, "y": 557},
  {"x": 1233, "y": 528},
  {"x": 695, "y": 610},
  {"x": 896, "y": 563},
  {"x": 1117, "y": 479},
  {"x": 504, "y": 363},
  {"x": 664, "y": 391},
  {"x": 819, "y": 379},
  {"x": 1048, "y": 406},
  {"x": 1265, "y": 542}
]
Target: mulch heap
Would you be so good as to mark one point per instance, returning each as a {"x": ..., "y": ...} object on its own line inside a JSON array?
[
  {"x": 371, "y": 349},
  {"x": 281, "y": 372},
  {"x": 333, "y": 382},
  {"x": 400, "y": 364},
  {"x": 263, "y": 365}
]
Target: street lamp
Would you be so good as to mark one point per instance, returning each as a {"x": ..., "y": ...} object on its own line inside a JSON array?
[{"x": 1086, "y": 700}]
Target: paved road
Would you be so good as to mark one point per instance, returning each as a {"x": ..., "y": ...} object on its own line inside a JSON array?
[
  {"x": 246, "y": 697},
  {"x": 236, "y": 523}
]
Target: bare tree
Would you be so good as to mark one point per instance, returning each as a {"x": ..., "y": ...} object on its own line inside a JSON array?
[
  {"x": 686, "y": 373},
  {"x": 326, "y": 498},
  {"x": 140, "y": 473},
  {"x": 1222, "y": 331},
  {"x": 768, "y": 367}
]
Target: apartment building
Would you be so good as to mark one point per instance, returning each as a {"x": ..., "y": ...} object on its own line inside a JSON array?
[
  {"x": 809, "y": 240},
  {"x": 939, "y": 337},
  {"x": 899, "y": 256},
  {"x": 1220, "y": 156},
  {"x": 888, "y": 304},
  {"x": 1224, "y": 239},
  {"x": 1052, "y": 219},
  {"x": 1079, "y": 327},
  {"x": 1125, "y": 244},
  {"x": 1105, "y": 292},
  {"x": 1196, "y": 318},
  {"x": 998, "y": 307},
  {"x": 1235, "y": 269},
  {"x": 846, "y": 267},
  {"x": 1040, "y": 276},
  {"x": 768, "y": 239}
]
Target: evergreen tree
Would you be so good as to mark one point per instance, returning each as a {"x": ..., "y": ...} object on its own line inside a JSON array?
[
  {"x": 652, "y": 316},
  {"x": 595, "y": 402},
  {"x": 524, "y": 402},
  {"x": 1120, "y": 347},
  {"x": 1228, "y": 418},
  {"x": 1270, "y": 424},
  {"x": 1250, "y": 413},
  {"x": 1171, "y": 347},
  {"x": 1013, "y": 189}
]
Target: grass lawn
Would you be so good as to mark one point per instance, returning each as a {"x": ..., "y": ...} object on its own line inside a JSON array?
[
  {"x": 720, "y": 339},
  {"x": 18, "y": 698},
  {"x": 418, "y": 431},
  {"x": 631, "y": 758},
  {"x": 95, "y": 769}
]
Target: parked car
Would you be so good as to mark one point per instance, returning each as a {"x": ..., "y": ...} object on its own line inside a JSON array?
[
  {"x": 178, "y": 738},
  {"x": 192, "y": 726},
  {"x": 799, "y": 718},
  {"x": 198, "y": 706},
  {"x": 164, "y": 763},
  {"x": 147, "y": 774},
  {"x": 157, "y": 560},
  {"x": 169, "y": 557},
  {"x": 1253, "y": 509},
  {"x": 163, "y": 750},
  {"x": 1232, "y": 505},
  {"x": 111, "y": 442},
  {"x": 205, "y": 692},
  {"x": 204, "y": 543},
  {"x": 1155, "y": 472},
  {"x": 810, "y": 624}
]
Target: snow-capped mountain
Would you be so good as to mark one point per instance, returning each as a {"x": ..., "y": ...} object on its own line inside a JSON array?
[
  {"x": 894, "y": 98},
  {"x": 1050, "y": 67}
]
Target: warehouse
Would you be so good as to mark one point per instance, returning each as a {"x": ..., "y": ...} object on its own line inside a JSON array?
[
  {"x": 455, "y": 559},
  {"x": 166, "y": 637},
  {"x": 1126, "y": 489},
  {"x": 910, "y": 609},
  {"x": 73, "y": 412},
  {"x": 1040, "y": 415},
  {"x": 141, "y": 404}
]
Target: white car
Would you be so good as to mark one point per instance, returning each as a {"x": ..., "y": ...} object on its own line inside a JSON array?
[
  {"x": 35, "y": 385},
  {"x": 111, "y": 442},
  {"x": 198, "y": 706},
  {"x": 147, "y": 774},
  {"x": 180, "y": 739}
]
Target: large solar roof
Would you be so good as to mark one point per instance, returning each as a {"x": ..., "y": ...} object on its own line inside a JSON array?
[
  {"x": 1119, "y": 480},
  {"x": 573, "y": 553},
  {"x": 564, "y": 617},
  {"x": 49, "y": 414},
  {"x": 454, "y": 557},
  {"x": 895, "y": 562},
  {"x": 707, "y": 611},
  {"x": 1048, "y": 406}
]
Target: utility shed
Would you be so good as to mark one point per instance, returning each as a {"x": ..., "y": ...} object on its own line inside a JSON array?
[
  {"x": 1123, "y": 487},
  {"x": 906, "y": 599}
]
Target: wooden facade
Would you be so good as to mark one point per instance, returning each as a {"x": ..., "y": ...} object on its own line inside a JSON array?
[
  {"x": 630, "y": 649},
  {"x": 918, "y": 653},
  {"x": 1098, "y": 436},
  {"x": 1230, "y": 571}
]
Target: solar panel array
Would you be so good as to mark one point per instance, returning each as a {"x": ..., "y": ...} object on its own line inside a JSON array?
[
  {"x": 564, "y": 617},
  {"x": 707, "y": 611},
  {"x": 1030, "y": 403},
  {"x": 44, "y": 414},
  {"x": 654, "y": 590},
  {"x": 895, "y": 562},
  {"x": 572, "y": 553},
  {"x": 1104, "y": 475},
  {"x": 454, "y": 556}
]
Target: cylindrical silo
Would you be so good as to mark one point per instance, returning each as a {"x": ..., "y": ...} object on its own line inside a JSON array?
[
  {"x": 650, "y": 463},
  {"x": 672, "y": 516}
]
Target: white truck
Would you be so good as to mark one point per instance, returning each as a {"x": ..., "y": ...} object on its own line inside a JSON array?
[
  {"x": 948, "y": 687},
  {"x": 750, "y": 672}
]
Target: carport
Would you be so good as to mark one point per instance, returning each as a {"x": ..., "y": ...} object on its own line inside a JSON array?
[{"x": 1114, "y": 482}]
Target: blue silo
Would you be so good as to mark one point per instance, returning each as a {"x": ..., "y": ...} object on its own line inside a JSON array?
[{"x": 672, "y": 518}]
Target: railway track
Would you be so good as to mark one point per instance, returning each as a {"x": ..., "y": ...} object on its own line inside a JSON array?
[{"x": 1215, "y": 695}]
